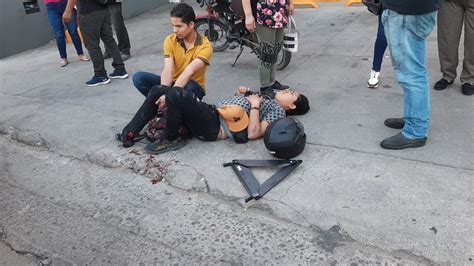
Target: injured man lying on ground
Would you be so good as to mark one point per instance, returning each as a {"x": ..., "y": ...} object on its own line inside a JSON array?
[{"x": 241, "y": 117}]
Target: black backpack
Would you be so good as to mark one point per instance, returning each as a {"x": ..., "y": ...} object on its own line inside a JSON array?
[
  {"x": 374, "y": 6},
  {"x": 155, "y": 129}
]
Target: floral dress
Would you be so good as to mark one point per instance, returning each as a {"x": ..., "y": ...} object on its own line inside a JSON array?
[{"x": 272, "y": 13}]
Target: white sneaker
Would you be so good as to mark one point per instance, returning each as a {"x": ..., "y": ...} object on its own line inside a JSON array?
[{"x": 373, "y": 80}]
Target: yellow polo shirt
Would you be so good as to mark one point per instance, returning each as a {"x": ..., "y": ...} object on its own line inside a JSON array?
[{"x": 175, "y": 48}]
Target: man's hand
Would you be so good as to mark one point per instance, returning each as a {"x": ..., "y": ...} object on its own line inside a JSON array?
[
  {"x": 291, "y": 8},
  {"x": 161, "y": 102},
  {"x": 67, "y": 16},
  {"x": 254, "y": 100},
  {"x": 250, "y": 23},
  {"x": 243, "y": 90}
]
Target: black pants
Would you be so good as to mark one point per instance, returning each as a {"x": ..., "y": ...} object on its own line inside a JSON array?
[
  {"x": 200, "y": 118},
  {"x": 183, "y": 108},
  {"x": 119, "y": 28},
  {"x": 94, "y": 27}
]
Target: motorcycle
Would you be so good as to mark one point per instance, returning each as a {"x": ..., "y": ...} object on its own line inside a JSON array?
[{"x": 223, "y": 24}]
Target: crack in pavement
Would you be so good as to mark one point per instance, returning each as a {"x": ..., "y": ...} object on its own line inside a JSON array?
[
  {"x": 330, "y": 236},
  {"x": 104, "y": 251},
  {"x": 39, "y": 258},
  {"x": 122, "y": 231},
  {"x": 305, "y": 224},
  {"x": 72, "y": 208},
  {"x": 207, "y": 189},
  {"x": 36, "y": 139}
]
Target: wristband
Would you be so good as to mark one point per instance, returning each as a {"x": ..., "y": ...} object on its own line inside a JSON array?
[{"x": 255, "y": 108}]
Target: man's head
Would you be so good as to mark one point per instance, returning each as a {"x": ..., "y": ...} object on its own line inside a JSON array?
[
  {"x": 293, "y": 102},
  {"x": 182, "y": 20}
]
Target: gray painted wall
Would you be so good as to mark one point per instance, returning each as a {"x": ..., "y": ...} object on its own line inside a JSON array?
[
  {"x": 21, "y": 32},
  {"x": 132, "y": 8},
  {"x": 24, "y": 31}
]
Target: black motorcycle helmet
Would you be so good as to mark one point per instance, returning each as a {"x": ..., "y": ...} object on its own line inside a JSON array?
[{"x": 285, "y": 138}]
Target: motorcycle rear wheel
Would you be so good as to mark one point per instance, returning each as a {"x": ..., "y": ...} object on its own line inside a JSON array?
[
  {"x": 284, "y": 58},
  {"x": 217, "y": 35}
]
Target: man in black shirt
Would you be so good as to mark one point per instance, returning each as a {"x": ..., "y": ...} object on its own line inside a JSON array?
[
  {"x": 95, "y": 23},
  {"x": 407, "y": 24},
  {"x": 411, "y": 7}
]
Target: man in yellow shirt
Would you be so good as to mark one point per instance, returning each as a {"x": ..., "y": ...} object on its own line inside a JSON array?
[{"x": 187, "y": 55}]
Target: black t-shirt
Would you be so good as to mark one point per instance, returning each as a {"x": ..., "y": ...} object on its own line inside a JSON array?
[
  {"x": 412, "y": 7},
  {"x": 88, "y": 6}
]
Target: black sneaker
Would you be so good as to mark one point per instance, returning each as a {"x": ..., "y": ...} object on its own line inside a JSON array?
[
  {"x": 119, "y": 74},
  {"x": 397, "y": 123},
  {"x": 278, "y": 86},
  {"x": 399, "y": 142},
  {"x": 442, "y": 84},
  {"x": 467, "y": 89},
  {"x": 97, "y": 80},
  {"x": 158, "y": 147}
]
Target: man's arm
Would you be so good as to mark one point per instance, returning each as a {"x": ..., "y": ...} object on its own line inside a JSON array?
[
  {"x": 291, "y": 7},
  {"x": 256, "y": 129},
  {"x": 249, "y": 19},
  {"x": 167, "y": 73},
  {"x": 183, "y": 79},
  {"x": 67, "y": 15}
]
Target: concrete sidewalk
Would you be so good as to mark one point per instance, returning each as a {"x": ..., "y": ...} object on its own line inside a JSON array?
[{"x": 414, "y": 205}]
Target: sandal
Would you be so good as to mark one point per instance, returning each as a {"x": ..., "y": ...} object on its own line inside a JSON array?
[
  {"x": 159, "y": 147},
  {"x": 84, "y": 57},
  {"x": 63, "y": 62},
  {"x": 118, "y": 136}
]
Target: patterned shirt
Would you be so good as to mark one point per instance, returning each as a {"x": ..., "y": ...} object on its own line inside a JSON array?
[
  {"x": 270, "y": 110},
  {"x": 272, "y": 13}
]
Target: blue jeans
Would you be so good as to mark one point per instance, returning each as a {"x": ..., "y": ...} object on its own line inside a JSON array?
[
  {"x": 379, "y": 47},
  {"x": 143, "y": 81},
  {"x": 406, "y": 36},
  {"x": 55, "y": 16}
]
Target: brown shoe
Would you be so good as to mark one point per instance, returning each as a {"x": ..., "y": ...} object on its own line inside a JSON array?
[
  {"x": 63, "y": 62},
  {"x": 84, "y": 57}
]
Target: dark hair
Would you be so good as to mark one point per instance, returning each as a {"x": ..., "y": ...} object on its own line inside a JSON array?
[
  {"x": 183, "y": 11},
  {"x": 302, "y": 106}
]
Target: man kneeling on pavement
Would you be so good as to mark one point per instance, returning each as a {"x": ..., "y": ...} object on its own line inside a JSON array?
[{"x": 244, "y": 112}]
